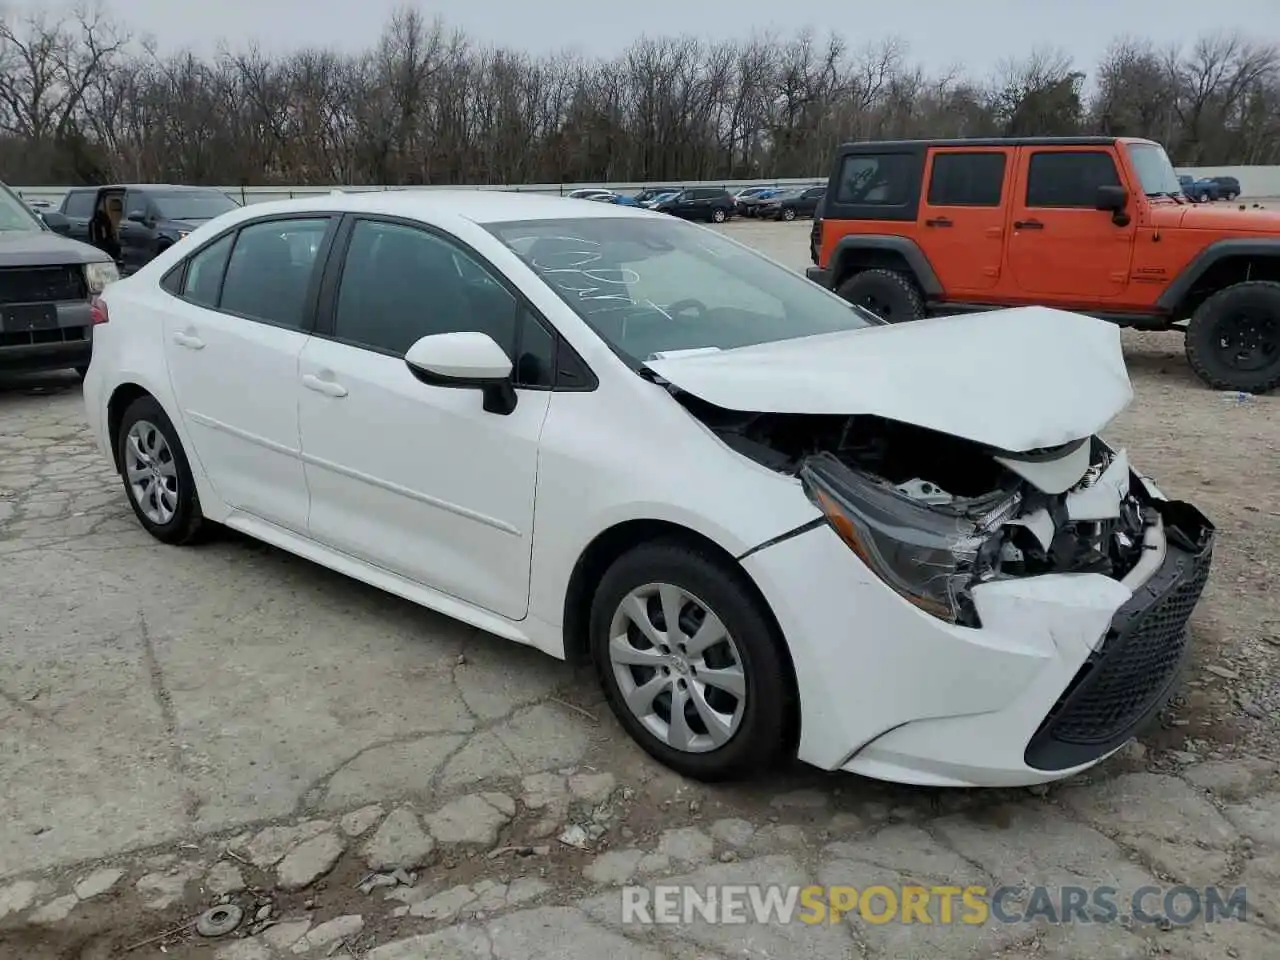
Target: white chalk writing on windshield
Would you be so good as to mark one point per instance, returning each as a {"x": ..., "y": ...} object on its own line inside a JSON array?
[{"x": 569, "y": 267}]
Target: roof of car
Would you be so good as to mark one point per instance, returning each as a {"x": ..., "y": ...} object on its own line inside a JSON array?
[
  {"x": 167, "y": 187},
  {"x": 861, "y": 146},
  {"x": 479, "y": 206}
]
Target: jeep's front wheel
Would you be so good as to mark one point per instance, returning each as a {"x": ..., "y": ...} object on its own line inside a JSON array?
[
  {"x": 890, "y": 294},
  {"x": 1233, "y": 340}
]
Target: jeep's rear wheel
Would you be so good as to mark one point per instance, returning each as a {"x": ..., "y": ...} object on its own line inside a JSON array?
[
  {"x": 889, "y": 294},
  {"x": 1233, "y": 341}
]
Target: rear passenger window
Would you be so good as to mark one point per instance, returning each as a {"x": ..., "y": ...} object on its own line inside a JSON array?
[
  {"x": 1069, "y": 178},
  {"x": 270, "y": 269},
  {"x": 204, "y": 273},
  {"x": 877, "y": 179},
  {"x": 966, "y": 179}
]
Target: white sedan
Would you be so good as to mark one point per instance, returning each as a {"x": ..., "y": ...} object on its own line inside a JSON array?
[{"x": 774, "y": 524}]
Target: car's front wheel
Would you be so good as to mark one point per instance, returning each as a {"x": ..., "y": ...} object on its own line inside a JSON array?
[
  {"x": 788, "y": 214},
  {"x": 718, "y": 215},
  {"x": 1233, "y": 340},
  {"x": 157, "y": 477},
  {"x": 690, "y": 661}
]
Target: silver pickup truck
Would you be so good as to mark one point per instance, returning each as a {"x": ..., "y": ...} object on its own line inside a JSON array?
[{"x": 47, "y": 285}]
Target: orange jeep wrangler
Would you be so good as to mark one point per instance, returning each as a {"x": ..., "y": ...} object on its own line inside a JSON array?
[{"x": 1096, "y": 225}]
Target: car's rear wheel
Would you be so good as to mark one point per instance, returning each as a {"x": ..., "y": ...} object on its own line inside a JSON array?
[
  {"x": 788, "y": 214},
  {"x": 718, "y": 215},
  {"x": 690, "y": 661},
  {"x": 157, "y": 477},
  {"x": 1233, "y": 340},
  {"x": 889, "y": 294}
]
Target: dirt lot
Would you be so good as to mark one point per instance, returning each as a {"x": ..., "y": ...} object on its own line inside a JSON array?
[{"x": 180, "y": 727}]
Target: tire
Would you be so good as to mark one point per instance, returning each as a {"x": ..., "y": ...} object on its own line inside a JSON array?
[
  {"x": 889, "y": 294},
  {"x": 762, "y": 714},
  {"x": 1244, "y": 311},
  {"x": 184, "y": 523},
  {"x": 788, "y": 214},
  {"x": 718, "y": 215}
]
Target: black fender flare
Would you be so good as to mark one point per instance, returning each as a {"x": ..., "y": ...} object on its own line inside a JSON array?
[
  {"x": 906, "y": 247},
  {"x": 1215, "y": 252}
]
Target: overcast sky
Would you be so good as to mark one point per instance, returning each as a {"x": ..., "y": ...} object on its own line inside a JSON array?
[{"x": 939, "y": 33}]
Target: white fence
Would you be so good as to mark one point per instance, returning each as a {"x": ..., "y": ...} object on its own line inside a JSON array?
[{"x": 1254, "y": 182}]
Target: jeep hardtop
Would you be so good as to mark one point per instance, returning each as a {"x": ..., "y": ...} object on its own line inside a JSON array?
[{"x": 1096, "y": 225}]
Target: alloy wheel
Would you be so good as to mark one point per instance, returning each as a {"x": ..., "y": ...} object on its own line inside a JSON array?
[
  {"x": 152, "y": 472},
  {"x": 679, "y": 671}
]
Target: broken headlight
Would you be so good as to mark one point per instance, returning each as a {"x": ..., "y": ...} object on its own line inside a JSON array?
[{"x": 929, "y": 556}]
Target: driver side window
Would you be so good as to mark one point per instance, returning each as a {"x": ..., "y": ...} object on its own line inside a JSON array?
[{"x": 400, "y": 283}]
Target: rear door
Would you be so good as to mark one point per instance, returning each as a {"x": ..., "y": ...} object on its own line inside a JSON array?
[{"x": 962, "y": 217}]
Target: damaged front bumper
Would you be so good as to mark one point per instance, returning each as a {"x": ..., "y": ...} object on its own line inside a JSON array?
[{"x": 1063, "y": 670}]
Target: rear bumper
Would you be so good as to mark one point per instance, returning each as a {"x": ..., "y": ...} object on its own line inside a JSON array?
[{"x": 819, "y": 275}]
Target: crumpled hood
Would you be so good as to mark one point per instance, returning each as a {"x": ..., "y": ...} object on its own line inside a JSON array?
[
  {"x": 40, "y": 248},
  {"x": 1017, "y": 379}
]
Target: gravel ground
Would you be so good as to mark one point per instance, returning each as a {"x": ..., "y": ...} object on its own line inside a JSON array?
[{"x": 359, "y": 777}]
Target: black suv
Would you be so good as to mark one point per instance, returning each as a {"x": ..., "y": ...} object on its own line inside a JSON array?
[
  {"x": 47, "y": 284},
  {"x": 1228, "y": 187},
  {"x": 799, "y": 202},
  {"x": 699, "y": 203},
  {"x": 135, "y": 222}
]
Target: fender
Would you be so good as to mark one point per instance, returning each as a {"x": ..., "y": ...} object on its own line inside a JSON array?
[
  {"x": 906, "y": 247},
  {"x": 1210, "y": 255}
]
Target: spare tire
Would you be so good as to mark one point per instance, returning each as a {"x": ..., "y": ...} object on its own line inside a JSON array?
[{"x": 890, "y": 294}]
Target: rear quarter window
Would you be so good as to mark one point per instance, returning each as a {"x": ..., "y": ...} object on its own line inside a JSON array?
[{"x": 868, "y": 179}]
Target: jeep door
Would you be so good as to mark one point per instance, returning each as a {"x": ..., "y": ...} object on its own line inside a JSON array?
[
  {"x": 1060, "y": 245},
  {"x": 962, "y": 217}
]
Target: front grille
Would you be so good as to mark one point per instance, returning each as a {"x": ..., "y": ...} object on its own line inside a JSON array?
[
  {"x": 42, "y": 284},
  {"x": 1130, "y": 674},
  {"x": 31, "y": 338}
]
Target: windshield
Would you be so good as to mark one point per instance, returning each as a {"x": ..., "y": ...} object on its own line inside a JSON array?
[
  {"x": 192, "y": 205},
  {"x": 648, "y": 287},
  {"x": 1154, "y": 169},
  {"x": 16, "y": 215}
]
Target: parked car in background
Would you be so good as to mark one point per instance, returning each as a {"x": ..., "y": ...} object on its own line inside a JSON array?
[
  {"x": 47, "y": 284},
  {"x": 745, "y": 193},
  {"x": 649, "y": 194},
  {"x": 713, "y": 204},
  {"x": 598, "y": 194},
  {"x": 1201, "y": 189},
  {"x": 1228, "y": 187},
  {"x": 761, "y": 514},
  {"x": 134, "y": 223},
  {"x": 658, "y": 198},
  {"x": 941, "y": 227},
  {"x": 748, "y": 205},
  {"x": 790, "y": 204}
]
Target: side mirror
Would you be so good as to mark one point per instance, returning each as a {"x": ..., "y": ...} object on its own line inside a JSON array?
[
  {"x": 465, "y": 360},
  {"x": 56, "y": 221},
  {"x": 1111, "y": 199},
  {"x": 137, "y": 216}
]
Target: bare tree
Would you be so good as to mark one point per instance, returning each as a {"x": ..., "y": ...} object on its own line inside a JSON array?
[{"x": 82, "y": 102}]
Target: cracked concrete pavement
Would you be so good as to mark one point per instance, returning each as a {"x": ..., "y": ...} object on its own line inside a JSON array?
[{"x": 180, "y": 727}]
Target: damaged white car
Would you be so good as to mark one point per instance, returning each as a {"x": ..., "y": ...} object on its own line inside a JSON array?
[{"x": 774, "y": 524}]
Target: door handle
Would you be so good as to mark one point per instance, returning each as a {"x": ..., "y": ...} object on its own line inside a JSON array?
[
  {"x": 938, "y": 222},
  {"x": 327, "y": 387},
  {"x": 1028, "y": 225},
  {"x": 188, "y": 341}
]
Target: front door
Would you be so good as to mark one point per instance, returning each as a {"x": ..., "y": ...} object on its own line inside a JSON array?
[
  {"x": 1061, "y": 249},
  {"x": 232, "y": 343},
  {"x": 414, "y": 478},
  {"x": 962, "y": 219},
  {"x": 137, "y": 236}
]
